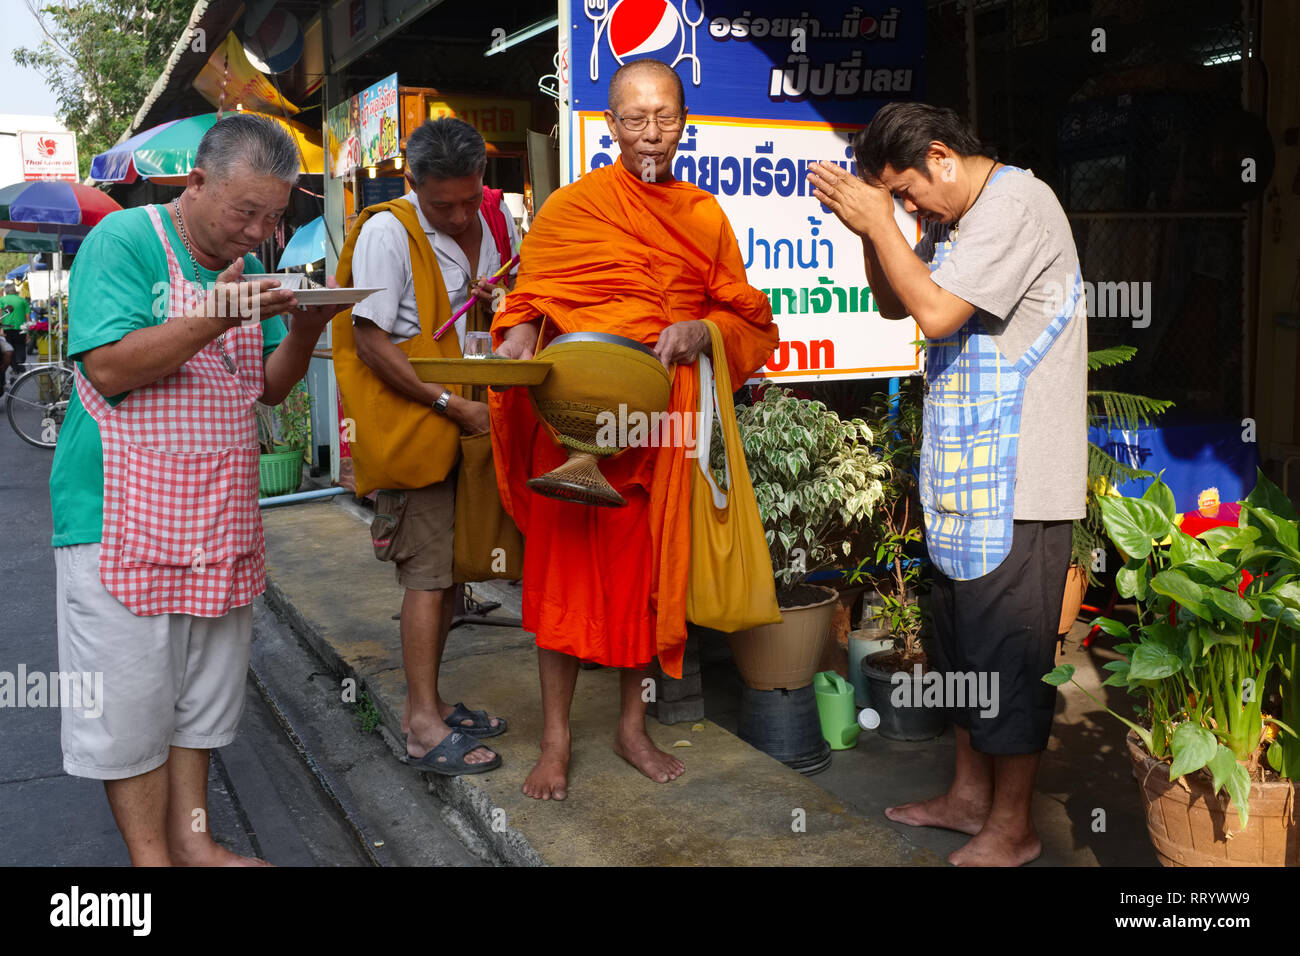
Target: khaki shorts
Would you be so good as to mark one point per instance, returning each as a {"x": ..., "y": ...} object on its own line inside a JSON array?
[
  {"x": 413, "y": 529},
  {"x": 167, "y": 680}
]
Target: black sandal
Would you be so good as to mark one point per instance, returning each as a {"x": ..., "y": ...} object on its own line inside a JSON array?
[
  {"x": 448, "y": 758},
  {"x": 481, "y": 726}
]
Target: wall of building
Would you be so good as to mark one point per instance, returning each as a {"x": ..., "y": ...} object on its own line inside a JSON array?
[{"x": 1276, "y": 399}]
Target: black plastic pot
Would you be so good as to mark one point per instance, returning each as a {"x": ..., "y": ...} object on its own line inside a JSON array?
[
  {"x": 899, "y": 722},
  {"x": 783, "y": 724}
]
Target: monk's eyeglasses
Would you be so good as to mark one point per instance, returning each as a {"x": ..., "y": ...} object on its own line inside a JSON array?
[{"x": 666, "y": 124}]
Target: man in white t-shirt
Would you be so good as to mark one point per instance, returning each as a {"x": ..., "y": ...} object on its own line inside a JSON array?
[{"x": 445, "y": 162}]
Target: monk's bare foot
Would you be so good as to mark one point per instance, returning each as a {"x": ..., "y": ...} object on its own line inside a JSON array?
[
  {"x": 208, "y": 853},
  {"x": 639, "y": 750},
  {"x": 946, "y": 811},
  {"x": 999, "y": 846},
  {"x": 549, "y": 779},
  {"x": 425, "y": 734}
]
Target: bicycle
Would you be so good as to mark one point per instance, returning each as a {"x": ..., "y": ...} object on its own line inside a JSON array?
[{"x": 37, "y": 402}]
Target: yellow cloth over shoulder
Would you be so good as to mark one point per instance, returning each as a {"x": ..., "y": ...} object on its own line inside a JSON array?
[{"x": 399, "y": 443}]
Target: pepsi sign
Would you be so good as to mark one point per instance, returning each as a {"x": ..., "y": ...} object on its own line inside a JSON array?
[{"x": 768, "y": 94}]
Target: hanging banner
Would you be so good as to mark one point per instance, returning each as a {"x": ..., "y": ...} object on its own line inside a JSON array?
[
  {"x": 344, "y": 122},
  {"x": 48, "y": 155},
  {"x": 379, "y": 113},
  {"x": 768, "y": 94},
  {"x": 228, "y": 81}
]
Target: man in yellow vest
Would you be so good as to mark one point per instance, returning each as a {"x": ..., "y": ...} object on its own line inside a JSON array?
[{"x": 428, "y": 253}]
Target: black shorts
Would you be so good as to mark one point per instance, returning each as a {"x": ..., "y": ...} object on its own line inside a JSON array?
[{"x": 999, "y": 633}]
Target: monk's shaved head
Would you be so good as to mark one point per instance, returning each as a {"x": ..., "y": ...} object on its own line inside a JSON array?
[{"x": 640, "y": 69}]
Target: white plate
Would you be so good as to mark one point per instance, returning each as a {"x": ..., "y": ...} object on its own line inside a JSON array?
[
  {"x": 332, "y": 296},
  {"x": 287, "y": 280}
]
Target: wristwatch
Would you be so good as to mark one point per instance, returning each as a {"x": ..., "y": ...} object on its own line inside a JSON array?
[{"x": 441, "y": 402}]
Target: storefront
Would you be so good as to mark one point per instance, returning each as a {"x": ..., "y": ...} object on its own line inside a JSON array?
[{"x": 1140, "y": 115}]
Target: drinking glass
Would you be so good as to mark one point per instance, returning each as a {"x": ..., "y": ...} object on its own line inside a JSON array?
[{"x": 478, "y": 345}]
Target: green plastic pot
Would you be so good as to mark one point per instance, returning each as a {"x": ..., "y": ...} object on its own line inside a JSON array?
[{"x": 280, "y": 472}]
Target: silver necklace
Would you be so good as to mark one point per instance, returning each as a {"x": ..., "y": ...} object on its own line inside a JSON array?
[{"x": 221, "y": 339}]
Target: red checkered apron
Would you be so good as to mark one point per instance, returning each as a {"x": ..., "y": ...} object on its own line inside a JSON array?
[{"x": 182, "y": 533}]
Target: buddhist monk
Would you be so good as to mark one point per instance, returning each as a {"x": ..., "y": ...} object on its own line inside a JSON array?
[{"x": 627, "y": 249}]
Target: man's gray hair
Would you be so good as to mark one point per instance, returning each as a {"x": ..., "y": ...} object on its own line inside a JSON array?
[
  {"x": 259, "y": 144},
  {"x": 445, "y": 148}
]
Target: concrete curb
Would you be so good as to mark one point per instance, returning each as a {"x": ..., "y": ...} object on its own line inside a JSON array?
[{"x": 466, "y": 809}]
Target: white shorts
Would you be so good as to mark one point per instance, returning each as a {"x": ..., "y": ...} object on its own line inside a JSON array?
[{"x": 169, "y": 680}]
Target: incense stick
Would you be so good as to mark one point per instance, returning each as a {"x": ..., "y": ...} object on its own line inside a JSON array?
[{"x": 472, "y": 299}]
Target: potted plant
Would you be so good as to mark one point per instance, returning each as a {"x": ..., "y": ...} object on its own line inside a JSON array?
[
  {"x": 888, "y": 674},
  {"x": 1213, "y": 663},
  {"x": 1114, "y": 410},
  {"x": 817, "y": 480},
  {"x": 283, "y": 433},
  {"x": 889, "y": 643}
]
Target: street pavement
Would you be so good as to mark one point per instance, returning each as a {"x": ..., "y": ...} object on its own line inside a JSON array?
[{"x": 266, "y": 795}]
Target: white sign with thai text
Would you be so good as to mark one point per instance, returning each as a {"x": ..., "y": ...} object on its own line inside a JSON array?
[{"x": 49, "y": 155}]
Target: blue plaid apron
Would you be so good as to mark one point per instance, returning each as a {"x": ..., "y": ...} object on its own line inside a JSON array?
[{"x": 970, "y": 435}]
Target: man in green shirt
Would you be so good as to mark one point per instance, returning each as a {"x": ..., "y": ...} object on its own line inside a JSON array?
[
  {"x": 13, "y": 313},
  {"x": 158, "y": 543}
]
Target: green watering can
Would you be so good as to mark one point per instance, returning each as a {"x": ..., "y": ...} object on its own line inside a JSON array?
[{"x": 835, "y": 710}]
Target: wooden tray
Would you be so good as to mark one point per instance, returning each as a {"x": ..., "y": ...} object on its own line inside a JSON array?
[{"x": 483, "y": 371}]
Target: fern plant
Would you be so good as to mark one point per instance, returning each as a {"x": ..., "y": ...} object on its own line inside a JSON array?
[{"x": 1114, "y": 410}]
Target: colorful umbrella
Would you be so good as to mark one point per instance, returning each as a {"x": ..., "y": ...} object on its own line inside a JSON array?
[
  {"x": 25, "y": 240},
  {"x": 21, "y": 271},
  {"x": 54, "y": 204},
  {"x": 306, "y": 246},
  {"x": 165, "y": 154}
]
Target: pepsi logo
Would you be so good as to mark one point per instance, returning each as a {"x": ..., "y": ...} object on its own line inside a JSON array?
[
  {"x": 276, "y": 44},
  {"x": 640, "y": 27}
]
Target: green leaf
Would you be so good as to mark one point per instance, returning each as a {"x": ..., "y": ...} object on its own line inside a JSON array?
[
  {"x": 1119, "y": 674},
  {"x": 1160, "y": 496},
  {"x": 1131, "y": 579},
  {"x": 1174, "y": 584},
  {"x": 1184, "y": 547},
  {"x": 1284, "y": 531},
  {"x": 1234, "y": 606},
  {"x": 1193, "y": 747},
  {"x": 1227, "y": 772},
  {"x": 1209, "y": 571},
  {"x": 1116, "y": 680},
  {"x": 1228, "y": 538},
  {"x": 1134, "y": 524},
  {"x": 1115, "y": 355},
  {"x": 1269, "y": 496},
  {"x": 1153, "y": 662},
  {"x": 1111, "y": 626},
  {"x": 1276, "y": 610},
  {"x": 1211, "y": 639},
  {"x": 1059, "y": 675}
]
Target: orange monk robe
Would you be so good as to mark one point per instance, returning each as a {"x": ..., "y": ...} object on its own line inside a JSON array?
[{"x": 610, "y": 253}]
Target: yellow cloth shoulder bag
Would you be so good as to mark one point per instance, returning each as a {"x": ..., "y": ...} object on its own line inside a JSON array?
[{"x": 731, "y": 585}]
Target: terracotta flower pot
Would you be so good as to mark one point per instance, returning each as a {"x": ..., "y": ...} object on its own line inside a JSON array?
[
  {"x": 1189, "y": 826},
  {"x": 1076, "y": 586},
  {"x": 785, "y": 654}
]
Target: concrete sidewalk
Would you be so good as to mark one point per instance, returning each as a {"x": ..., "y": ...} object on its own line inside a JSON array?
[{"x": 733, "y": 806}]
